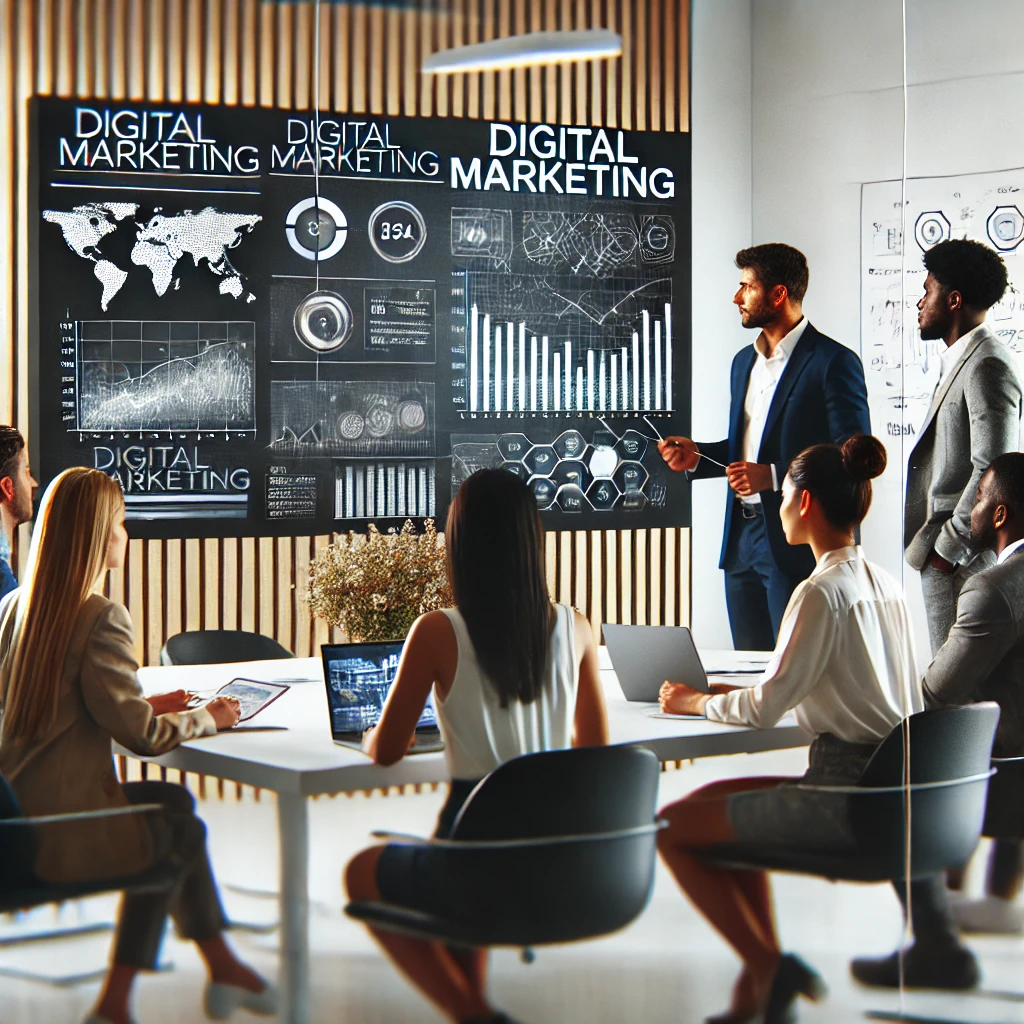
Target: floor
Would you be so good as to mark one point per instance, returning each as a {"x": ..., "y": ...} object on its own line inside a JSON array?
[{"x": 667, "y": 967}]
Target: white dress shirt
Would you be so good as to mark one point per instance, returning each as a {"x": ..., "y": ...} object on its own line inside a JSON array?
[
  {"x": 844, "y": 661},
  {"x": 764, "y": 379},
  {"x": 952, "y": 354},
  {"x": 1008, "y": 550}
]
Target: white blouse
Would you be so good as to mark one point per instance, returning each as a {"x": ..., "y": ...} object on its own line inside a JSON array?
[{"x": 845, "y": 658}]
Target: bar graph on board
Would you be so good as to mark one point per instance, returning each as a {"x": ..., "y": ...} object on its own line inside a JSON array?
[
  {"x": 369, "y": 490},
  {"x": 512, "y": 368}
]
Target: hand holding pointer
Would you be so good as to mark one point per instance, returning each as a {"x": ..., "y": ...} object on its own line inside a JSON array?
[
  {"x": 680, "y": 453},
  {"x": 747, "y": 478}
]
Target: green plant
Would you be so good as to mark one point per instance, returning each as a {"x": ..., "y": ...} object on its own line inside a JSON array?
[{"x": 375, "y": 587}]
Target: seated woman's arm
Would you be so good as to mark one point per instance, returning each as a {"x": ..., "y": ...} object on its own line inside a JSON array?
[
  {"x": 805, "y": 644},
  {"x": 590, "y": 726},
  {"x": 110, "y": 688},
  {"x": 431, "y": 635}
]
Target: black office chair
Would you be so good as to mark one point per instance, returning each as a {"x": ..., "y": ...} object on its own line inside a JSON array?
[
  {"x": 220, "y": 646},
  {"x": 561, "y": 845},
  {"x": 950, "y": 749},
  {"x": 21, "y": 889}
]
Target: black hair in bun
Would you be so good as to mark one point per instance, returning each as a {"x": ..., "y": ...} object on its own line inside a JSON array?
[
  {"x": 839, "y": 479},
  {"x": 864, "y": 457}
]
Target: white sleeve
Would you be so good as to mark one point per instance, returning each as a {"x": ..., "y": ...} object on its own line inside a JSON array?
[{"x": 805, "y": 645}]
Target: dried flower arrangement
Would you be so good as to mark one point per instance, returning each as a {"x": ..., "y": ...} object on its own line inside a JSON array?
[{"x": 375, "y": 587}]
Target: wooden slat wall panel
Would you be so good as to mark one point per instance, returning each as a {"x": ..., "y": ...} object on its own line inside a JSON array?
[{"x": 253, "y": 53}]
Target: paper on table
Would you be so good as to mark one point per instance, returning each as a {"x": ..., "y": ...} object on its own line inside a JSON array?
[{"x": 663, "y": 714}]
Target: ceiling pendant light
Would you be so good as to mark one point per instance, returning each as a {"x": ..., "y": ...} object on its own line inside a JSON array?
[{"x": 527, "y": 50}]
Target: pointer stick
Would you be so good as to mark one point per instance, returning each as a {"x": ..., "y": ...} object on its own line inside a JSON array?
[{"x": 676, "y": 444}]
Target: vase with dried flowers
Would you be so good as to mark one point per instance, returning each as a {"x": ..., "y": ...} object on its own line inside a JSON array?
[{"x": 375, "y": 587}]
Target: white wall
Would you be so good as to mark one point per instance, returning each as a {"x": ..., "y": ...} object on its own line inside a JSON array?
[
  {"x": 828, "y": 115},
  {"x": 721, "y": 139}
]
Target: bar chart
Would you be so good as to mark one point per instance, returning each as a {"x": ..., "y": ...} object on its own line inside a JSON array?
[
  {"x": 512, "y": 369},
  {"x": 371, "y": 490}
]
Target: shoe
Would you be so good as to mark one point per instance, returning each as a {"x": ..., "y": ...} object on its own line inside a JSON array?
[
  {"x": 955, "y": 969},
  {"x": 792, "y": 978},
  {"x": 221, "y": 1001},
  {"x": 991, "y": 914}
]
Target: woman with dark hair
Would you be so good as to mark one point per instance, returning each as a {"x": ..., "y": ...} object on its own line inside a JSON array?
[
  {"x": 512, "y": 674},
  {"x": 845, "y": 665}
]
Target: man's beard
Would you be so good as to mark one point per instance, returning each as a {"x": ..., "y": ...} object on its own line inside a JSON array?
[
  {"x": 984, "y": 538},
  {"x": 759, "y": 316}
]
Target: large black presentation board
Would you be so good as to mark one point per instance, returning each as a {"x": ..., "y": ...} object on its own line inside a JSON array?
[{"x": 253, "y": 350}]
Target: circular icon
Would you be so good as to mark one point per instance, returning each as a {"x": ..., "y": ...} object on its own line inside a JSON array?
[
  {"x": 931, "y": 228},
  {"x": 1006, "y": 227},
  {"x": 316, "y": 228},
  {"x": 397, "y": 231},
  {"x": 323, "y": 321}
]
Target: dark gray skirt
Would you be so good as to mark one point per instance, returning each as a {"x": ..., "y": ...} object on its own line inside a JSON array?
[{"x": 807, "y": 813}]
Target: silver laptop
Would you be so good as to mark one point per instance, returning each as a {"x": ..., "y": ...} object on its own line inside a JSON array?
[
  {"x": 358, "y": 679},
  {"x": 645, "y": 656}
]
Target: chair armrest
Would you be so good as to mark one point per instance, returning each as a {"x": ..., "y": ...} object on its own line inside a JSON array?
[
  {"x": 401, "y": 837},
  {"x": 504, "y": 844},
  {"x": 113, "y": 812},
  {"x": 914, "y": 787}
]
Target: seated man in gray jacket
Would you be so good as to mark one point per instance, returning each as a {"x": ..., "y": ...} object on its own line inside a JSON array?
[{"x": 982, "y": 659}]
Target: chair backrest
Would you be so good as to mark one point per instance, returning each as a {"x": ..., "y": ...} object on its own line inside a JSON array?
[
  {"x": 17, "y": 843},
  {"x": 9, "y": 806},
  {"x": 560, "y": 891},
  {"x": 563, "y": 792},
  {"x": 945, "y": 744},
  {"x": 219, "y": 646}
]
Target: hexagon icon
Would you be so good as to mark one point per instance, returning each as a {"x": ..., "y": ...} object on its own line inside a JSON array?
[
  {"x": 543, "y": 490},
  {"x": 603, "y": 461},
  {"x": 931, "y": 228},
  {"x": 516, "y": 469},
  {"x": 603, "y": 439},
  {"x": 1005, "y": 226},
  {"x": 631, "y": 446},
  {"x": 570, "y": 444},
  {"x": 571, "y": 498},
  {"x": 541, "y": 460},
  {"x": 513, "y": 446},
  {"x": 603, "y": 494},
  {"x": 572, "y": 471},
  {"x": 630, "y": 478},
  {"x": 633, "y": 502}
]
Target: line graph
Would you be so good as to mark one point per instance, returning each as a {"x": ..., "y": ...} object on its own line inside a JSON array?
[{"x": 165, "y": 375}]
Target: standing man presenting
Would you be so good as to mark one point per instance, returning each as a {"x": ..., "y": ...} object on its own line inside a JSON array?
[
  {"x": 974, "y": 416},
  {"x": 792, "y": 388}
]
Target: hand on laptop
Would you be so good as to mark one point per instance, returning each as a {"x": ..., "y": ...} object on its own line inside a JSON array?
[{"x": 680, "y": 699}]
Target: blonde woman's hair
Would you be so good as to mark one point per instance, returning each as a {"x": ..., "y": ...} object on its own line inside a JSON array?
[{"x": 66, "y": 562}]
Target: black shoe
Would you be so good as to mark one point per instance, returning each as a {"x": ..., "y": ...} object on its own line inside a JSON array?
[
  {"x": 955, "y": 969},
  {"x": 792, "y": 978}
]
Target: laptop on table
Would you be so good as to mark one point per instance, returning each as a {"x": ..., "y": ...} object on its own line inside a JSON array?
[
  {"x": 358, "y": 679},
  {"x": 645, "y": 656}
]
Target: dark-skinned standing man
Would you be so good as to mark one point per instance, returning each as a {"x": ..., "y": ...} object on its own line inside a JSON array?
[
  {"x": 792, "y": 388},
  {"x": 974, "y": 416}
]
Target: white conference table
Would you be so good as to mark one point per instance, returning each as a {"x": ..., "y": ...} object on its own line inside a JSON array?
[{"x": 301, "y": 761}]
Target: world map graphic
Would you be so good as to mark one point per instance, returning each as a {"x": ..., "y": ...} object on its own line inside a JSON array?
[{"x": 161, "y": 241}]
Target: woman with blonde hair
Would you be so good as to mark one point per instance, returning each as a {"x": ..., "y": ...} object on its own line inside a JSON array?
[{"x": 68, "y": 686}]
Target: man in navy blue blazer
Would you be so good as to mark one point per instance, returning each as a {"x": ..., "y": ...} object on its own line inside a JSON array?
[{"x": 794, "y": 387}]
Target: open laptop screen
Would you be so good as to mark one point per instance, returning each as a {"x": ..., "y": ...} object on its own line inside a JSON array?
[{"x": 358, "y": 678}]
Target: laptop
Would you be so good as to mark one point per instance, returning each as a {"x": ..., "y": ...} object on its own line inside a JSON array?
[
  {"x": 645, "y": 656},
  {"x": 358, "y": 678}
]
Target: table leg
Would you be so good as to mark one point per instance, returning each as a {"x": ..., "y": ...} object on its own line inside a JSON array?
[{"x": 293, "y": 828}]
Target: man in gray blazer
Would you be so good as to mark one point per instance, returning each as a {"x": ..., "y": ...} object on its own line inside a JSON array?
[
  {"x": 974, "y": 416},
  {"x": 982, "y": 659}
]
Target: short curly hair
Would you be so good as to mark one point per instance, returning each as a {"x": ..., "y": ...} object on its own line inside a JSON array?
[
  {"x": 970, "y": 268},
  {"x": 776, "y": 263},
  {"x": 11, "y": 444}
]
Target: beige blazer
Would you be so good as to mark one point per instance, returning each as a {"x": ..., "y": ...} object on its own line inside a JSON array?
[{"x": 71, "y": 767}]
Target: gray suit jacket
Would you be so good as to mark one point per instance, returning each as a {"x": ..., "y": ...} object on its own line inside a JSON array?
[
  {"x": 983, "y": 659},
  {"x": 974, "y": 416}
]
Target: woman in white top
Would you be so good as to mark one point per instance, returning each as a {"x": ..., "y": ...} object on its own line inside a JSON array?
[
  {"x": 845, "y": 665},
  {"x": 512, "y": 674}
]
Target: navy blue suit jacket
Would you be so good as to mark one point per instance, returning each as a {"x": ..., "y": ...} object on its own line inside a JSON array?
[{"x": 821, "y": 398}]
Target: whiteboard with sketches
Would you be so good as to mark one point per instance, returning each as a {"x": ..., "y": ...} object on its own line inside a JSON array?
[{"x": 902, "y": 370}]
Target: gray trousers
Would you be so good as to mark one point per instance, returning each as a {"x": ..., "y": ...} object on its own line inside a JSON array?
[
  {"x": 193, "y": 903},
  {"x": 941, "y": 593}
]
